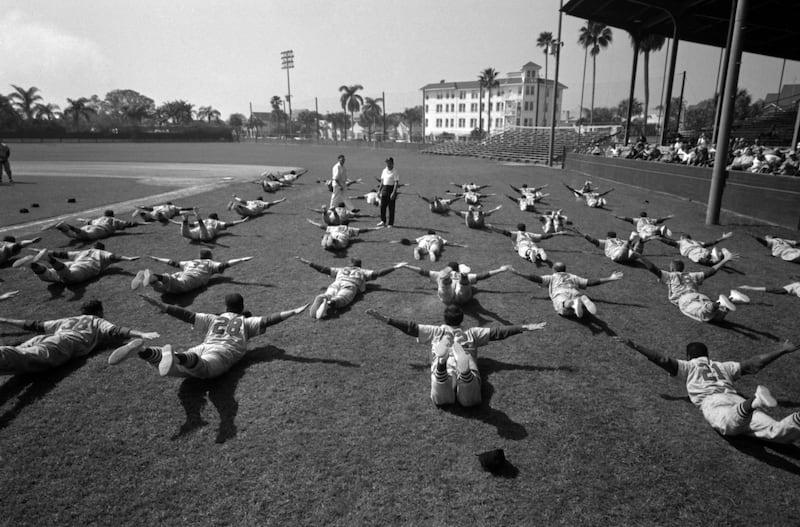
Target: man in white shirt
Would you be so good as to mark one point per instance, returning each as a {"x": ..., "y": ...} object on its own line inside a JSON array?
[{"x": 339, "y": 185}]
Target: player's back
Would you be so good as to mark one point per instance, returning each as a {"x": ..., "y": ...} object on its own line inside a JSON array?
[
  {"x": 705, "y": 377},
  {"x": 228, "y": 331},
  {"x": 81, "y": 333}
]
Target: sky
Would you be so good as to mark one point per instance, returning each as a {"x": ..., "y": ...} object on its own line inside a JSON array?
[{"x": 227, "y": 54}]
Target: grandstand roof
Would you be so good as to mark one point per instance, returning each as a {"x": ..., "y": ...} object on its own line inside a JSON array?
[{"x": 772, "y": 28}]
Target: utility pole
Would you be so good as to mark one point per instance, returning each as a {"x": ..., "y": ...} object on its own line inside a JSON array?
[
  {"x": 680, "y": 105},
  {"x": 555, "y": 90},
  {"x": 287, "y": 63},
  {"x": 316, "y": 116},
  {"x": 383, "y": 103}
]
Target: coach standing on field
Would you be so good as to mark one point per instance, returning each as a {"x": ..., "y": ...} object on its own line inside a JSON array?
[
  {"x": 5, "y": 153},
  {"x": 390, "y": 182},
  {"x": 339, "y": 185}
]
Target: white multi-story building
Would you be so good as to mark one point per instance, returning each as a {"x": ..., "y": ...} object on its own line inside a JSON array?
[{"x": 522, "y": 98}]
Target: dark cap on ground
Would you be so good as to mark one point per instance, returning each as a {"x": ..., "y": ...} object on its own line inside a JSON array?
[{"x": 493, "y": 460}]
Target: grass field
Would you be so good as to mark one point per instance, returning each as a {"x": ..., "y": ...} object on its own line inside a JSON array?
[{"x": 330, "y": 422}]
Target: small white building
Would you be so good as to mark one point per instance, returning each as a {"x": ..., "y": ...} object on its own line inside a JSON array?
[{"x": 522, "y": 98}]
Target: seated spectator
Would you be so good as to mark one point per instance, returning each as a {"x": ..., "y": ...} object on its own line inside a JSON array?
[
  {"x": 743, "y": 161},
  {"x": 790, "y": 166}
]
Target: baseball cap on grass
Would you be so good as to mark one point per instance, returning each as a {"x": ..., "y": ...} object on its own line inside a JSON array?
[{"x": 493, "y": 460}]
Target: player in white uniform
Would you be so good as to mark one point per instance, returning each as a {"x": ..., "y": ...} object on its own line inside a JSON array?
[
  {"x": 525, "y": 243},
  {"x": 454, "y": 283},
  {"x": 697, "y": 251},
  {"x": 430, "y": 244},
  {"x": 710, "y": 387},
  {"x": 454, "y": 353},
  {"x": 284, "y": 177},
  {"x": 470, "y": 187},
  {"x": 470, "y": 197},
  {"x": 161, "y": 213},
  {"x": 438, "y": 205},
  {"x": 647, "y": 228},
  {"x": 589, "y": 196},
  {"x": 553, "y": 221},
  {"x": 347, "y": 284},
  {"x": 63, "y": 339},
  {"x": 475, "y": 216},
  {"x": 193, "y": 274},
  {"x": 531, "y": 193},
  {"x": 682, "y": 290},
  {"x": 224, "y": 344},
  {"x": 205, "y": 230},
  {"x": 10, "y": 247},
  {"x": 788, "y": 289},
  {"x": 339, "y": 237},
  {"x": 251, "y": 208},
  {"x": 339, "y": 215},
  {"x": 615, "y": 249},
  {"x": 565, "y": 289},
  {"x": 80, "y": 267},
  {"x": 372, "y": 197},
  {"x": 782, "y": 248},
  {"x": 95, "y": 229},
  {"x": 339, "y": 184}
]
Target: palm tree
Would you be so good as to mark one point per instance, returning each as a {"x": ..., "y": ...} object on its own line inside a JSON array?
[
  {"x": 544, "y": 41},
  {"x": 583, "y": 41},
  {"x": 488, "y": 78},
  {"x": 371, "y": 111},
  {"x": 351, "y": 101},
  {"x": 208, "y": 113},
  {"x": 647, "y": 44},
  {"x": 411, "y": 116},
  {"x": 79, "y": 108},
  {"x": 24, "y": 101},
  {"x": 595, "y": 37},
  {"x": 46, "y": 112}
]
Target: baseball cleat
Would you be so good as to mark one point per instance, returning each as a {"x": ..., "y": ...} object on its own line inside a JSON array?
[
  {"x": 432, "y": 256},
  {"x": 417, "y": 254},
  {"x": 19, "y": 262},
  {"x": 38, "y": 256},
  {"x": 312, "y": 310},
  {"x": 137, "y": 280},
  {"x": 323, "y": 309},
  {"x": 764, "y": 399},
  {"x": 167, "y": 361},
  {"x": 122, "y": 353},
  {"x": 462, "y": 359},
  {"x": 738, "y": 298},
  {"x": 725, "y": 302},
  {"x": 588, "y": 304},
  {"x": 577, "y": 307},
  {"x": 442, "y": 349}
]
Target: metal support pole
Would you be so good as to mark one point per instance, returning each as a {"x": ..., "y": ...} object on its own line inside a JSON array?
[
  {"x": 316, "y": 116},
  {"x": 722, "y": 78},
  {"x": 670, "y": 78},
  {"x": 555, "y": 89},
  {"x": 726, "y": 118},
  {"x": 383, "y": 103},
  {"x": 796, "y": 126},
  {"x": 680, "y": 105},
  {"x": 633, "y": 87},
  {"x": 287, "y": 63}
]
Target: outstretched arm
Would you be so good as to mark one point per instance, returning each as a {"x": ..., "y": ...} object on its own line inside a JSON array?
[
  {"x": 420, "y": 270},
  {"x": 493, "y": 272},
  {"x": 321, "y": 268},
  {"x": 426, "y": 200},
  {"x": 604, "y": 193},
  {"x": 662, "y": 361},
  {"x": 719, "y": 265},
  {"x": 9, "y": 294},
  {"x": 490, "y": 212},
  {"x": 175, "y": 311},
  {"x": 532, "y": 277},
  {"x": 275, "y": 318},
  {"x": 121, "y": 258},
  {"x": 316, "y": 224},
  {"x": 624, "y": 218},
  {"x": 167, "y": 261},
  {"x": 667, "y": 241},
  {"x": 498, "y": 230},
  {"x": 384, "y": 272},
  {"x": 236, "y": 261},
  {"x": 593, "y": 241},
  {"x": 773, "y": 290},
  {"x": 503, "y": 332},
  {"x": 406, "y": 326},
  {"x": 725, "y": 236},
  {"x": 616, "y": 275},
  {"x": 659, "y": 221},
  {"x": 650, "y": 266},
  {"x": 755, "y": 363}
]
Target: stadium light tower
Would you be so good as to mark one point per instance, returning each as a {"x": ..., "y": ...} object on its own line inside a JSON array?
[{"x": 287, "y": 63}]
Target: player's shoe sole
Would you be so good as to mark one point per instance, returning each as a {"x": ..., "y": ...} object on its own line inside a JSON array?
[
  {"x": 322, "y": 310},
  {"x": 136, "y": 283},
  {"x": 165, "y": 365},
  {"x": 725, "y": 302},
  {"x": 441, "y": 349},
  {"x": 432, "y": 256},
  {"x": 312, "y": 310},
  {"x": 588, "y": 304},
  {"x": 122, "y": 353},
  {"x": 577, "y": 307},
  {"x": 19, "y": 262},
  {"x": 739, "y": 298},
  {"x": 764, "y": 399},
  {"x": 462, "y": 359},
  {"x": 417, "y": 255}
]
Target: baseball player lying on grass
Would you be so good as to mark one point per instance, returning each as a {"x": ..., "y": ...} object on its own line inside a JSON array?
[
  {"x": 430, "y": 245},
  {"x": 454, "y": 352},
  {"x": 193, "y": 274},
  {"x": 10, "y": 247},
  {"x": 205, "y": 230},
  {"x": 475, "y": 216},
  {"x": 160, "y": 213},
  {"x": 647, "y": 228},
  {"x": 80, "y": 266},
  {"x": 454, "y": 283},
  {"x": 251, "y": 208},
  {"x": 710, "y": 387},
  {"x": 438, "y": 205},
  {"x": 782, "y": 248},
  {"x": 698, "y": 251},
  {"x": 94, "y": 229},
  {"x": 525, "y": 243},
  {"x": 615, "y": 249},
  {"x": 348, "y": 282},
  {"x": 63, "y": 339},
  {"x": 565, "y": 289},
  {"x": 682, "y": 290},
  {"x": 339, "y": 237},
  {"x": 224, "y": 344}
]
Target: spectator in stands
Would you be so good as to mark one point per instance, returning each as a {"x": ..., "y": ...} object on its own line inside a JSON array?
[
  {"x": 743, "y": 161},
  {"x": 790, "y": 166}
]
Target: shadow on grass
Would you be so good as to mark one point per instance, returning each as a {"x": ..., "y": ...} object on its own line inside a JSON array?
[
  {"x": 506, "y": 428},
  {"x": 221, "y": 391},
  {"x": 773, "y": 454},
  {"x": 745, "y": 331},
  {"x": 594, "y": 324},
  {"x": 30, "y": 387},
  {"x": 188, "y": 298},
  {"x": 476, "y": 310},
  {"x": 79, "y": 290}
]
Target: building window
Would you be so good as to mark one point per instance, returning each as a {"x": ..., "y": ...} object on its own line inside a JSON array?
[
  {"x": 462, "y": 123},
  {"x": 438, "y": 108},
  {"x": 426, "y": 123},
  {"x": 473, "y": 107},
  {"x": 426, "y": 108},
  {"x": 438, "y": 123},
  {"x": 473, "y": 123},
  {"x": 462, "y": 107}
]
